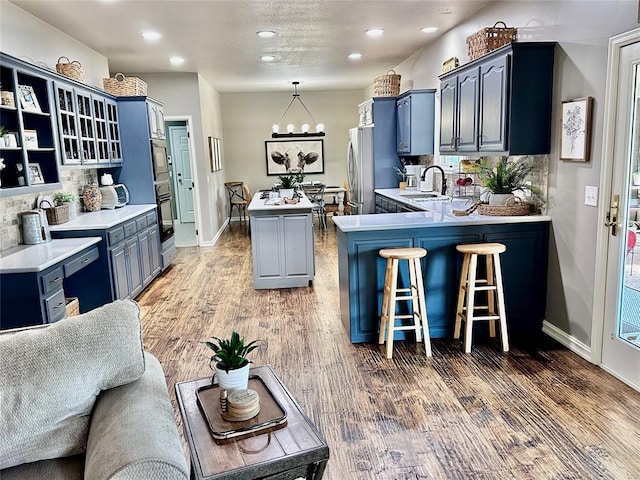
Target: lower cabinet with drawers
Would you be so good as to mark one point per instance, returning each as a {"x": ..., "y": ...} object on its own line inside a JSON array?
[
  {"x": 131, "y": 254},
  {"x": 34, "y": 294}
]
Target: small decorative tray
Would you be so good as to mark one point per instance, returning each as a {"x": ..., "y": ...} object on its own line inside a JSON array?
[{"x": 271, "y": 416}]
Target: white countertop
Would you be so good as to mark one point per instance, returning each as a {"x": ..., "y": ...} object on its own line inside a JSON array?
[
  {"x": 103, "y": 219},
  {"x": 35, "y": 258},
  {"x": 437, "y": 214},
  {"x": 267, "y": 206}
]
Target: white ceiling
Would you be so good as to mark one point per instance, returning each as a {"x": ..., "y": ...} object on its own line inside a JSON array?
[{"x": 218, "y": 38}]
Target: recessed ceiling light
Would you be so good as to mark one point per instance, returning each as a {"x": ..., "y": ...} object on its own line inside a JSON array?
[
  {"x": 176, "y": 60},
  {"x": 267, "y": 58},
  {"x": 266, "y": 33},
  {"x": 355, "y": 56},
  {"x": 151, "y": 36},
  {"x": 429, "y": 29},
  {"x": 374, "y": 32}
]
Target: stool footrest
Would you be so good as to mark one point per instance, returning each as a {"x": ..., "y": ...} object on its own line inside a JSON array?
[
  {"x": 484, "y": 317},
  {"x": 480, "y": 289}
]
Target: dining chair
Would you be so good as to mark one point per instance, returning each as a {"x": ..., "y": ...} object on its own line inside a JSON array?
[
  {"x": 315, "y": 194},
  {"x": 238, "y": 198}
]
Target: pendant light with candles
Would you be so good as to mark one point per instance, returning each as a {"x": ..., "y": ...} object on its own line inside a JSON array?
[{"x": 319, "y": 127}]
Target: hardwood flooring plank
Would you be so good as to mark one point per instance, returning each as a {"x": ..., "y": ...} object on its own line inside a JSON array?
[{"x": 541, "y": 413}]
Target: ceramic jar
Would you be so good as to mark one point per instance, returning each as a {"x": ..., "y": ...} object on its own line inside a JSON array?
[{"x": 92, "y": 198}]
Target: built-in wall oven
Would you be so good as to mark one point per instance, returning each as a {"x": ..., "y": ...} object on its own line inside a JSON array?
[
  {"x": 160, "y": 160},
  {"x": 165, "y": 214}
]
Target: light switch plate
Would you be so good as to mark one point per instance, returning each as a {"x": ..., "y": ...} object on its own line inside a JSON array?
[{"x": 591, "y": 195}]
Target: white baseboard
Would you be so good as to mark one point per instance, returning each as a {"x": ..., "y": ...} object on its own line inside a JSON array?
[
  {"x": 215, "y": 239},
  {"x": 572, "y": 343}
]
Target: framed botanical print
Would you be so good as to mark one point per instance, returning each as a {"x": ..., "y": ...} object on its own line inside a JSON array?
[{"x": 575, "y": 138}]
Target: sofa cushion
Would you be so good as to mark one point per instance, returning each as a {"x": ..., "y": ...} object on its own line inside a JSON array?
[
  {"x": 66, "y": 468},
  {"x": 50, "y": 378}
]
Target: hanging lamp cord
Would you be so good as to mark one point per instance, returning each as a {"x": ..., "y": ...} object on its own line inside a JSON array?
[{"x": 296, "y": 96}]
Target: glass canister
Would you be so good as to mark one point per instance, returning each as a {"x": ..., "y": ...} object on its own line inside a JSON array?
[{"x": 92, "y": 198}]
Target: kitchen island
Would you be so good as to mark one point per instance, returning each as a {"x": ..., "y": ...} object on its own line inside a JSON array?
[
  {"x": 436, "y": 229},
  {"x": 281, "y": 242}
]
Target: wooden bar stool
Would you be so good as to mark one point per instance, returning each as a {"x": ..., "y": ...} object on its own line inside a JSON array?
[
  {"x": 414, "y": 293},
  {"x": 470, "y": 285}
]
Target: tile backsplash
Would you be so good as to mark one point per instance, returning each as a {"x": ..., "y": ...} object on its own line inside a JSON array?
[{"x": 73, "y": 179}]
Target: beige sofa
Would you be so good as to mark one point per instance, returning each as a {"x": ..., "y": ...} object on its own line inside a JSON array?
[{"x": 81, "y": 399}]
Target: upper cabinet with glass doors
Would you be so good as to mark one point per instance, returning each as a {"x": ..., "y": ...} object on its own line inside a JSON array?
[
  {"x": 28, "y": 144},
  {"x": 88, "y": 123}
]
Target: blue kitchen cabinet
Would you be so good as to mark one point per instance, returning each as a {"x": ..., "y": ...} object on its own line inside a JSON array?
[
  {"x": 524, "y": 265},
  {"x": 384, "y": 142},
  {"x": 499, "y": 104},
  {"x": 415, "y": 111},
  {"x": 130, "y": 258},
  {"x": 38, "y": 297},
  {"x": 136, "y": 172}
]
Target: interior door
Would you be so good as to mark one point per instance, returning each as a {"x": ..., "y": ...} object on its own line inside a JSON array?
[
  {"x": 182, "y": 174},
  {"x": 621, "y": 335}
]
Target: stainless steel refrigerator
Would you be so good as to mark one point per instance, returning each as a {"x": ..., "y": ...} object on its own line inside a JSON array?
[
  {"x": 360, "y": 170},
  {"x": 371, "y": 156}
]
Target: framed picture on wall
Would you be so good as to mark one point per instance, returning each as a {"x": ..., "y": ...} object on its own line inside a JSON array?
[
  {"x": 215, "y": 156},
  {"x": 575, "y": 138},
  {"x": 294, "y": 156}
]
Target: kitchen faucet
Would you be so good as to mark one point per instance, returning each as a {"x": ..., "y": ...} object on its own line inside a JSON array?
[{"x": 444, "y": 180}]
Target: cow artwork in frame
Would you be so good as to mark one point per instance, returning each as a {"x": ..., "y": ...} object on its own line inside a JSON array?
[{"x": 294, "y": 156}]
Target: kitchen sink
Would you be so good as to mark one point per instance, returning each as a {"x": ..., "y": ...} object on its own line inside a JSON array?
[{"x": 419, "y": 195}]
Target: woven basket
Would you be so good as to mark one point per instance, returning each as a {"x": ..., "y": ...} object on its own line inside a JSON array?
[
  {"x": 70, "y": 69},
  {"x": 122, "y": 86},
  {"x": 55, "y": 215},
  {"x": 518, "y": 209},
  {"x": 488, "y": 39},
  {"x": 72, "y": 306},
  {"x": 387, "y": 85}
]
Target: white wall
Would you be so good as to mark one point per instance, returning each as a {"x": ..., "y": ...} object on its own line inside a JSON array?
[
  {"x": 582, "y": 30},
  {"x": 30, "y": 39},
  {"x": 188, "y": 94},
  {"x": 247, "y": 120}
]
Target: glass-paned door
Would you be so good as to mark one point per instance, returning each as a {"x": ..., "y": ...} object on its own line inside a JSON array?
[{"x": 621, "y": 339}]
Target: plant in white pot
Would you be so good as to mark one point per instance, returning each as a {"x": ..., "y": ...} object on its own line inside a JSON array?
[
  {"x": 505, "y": 178},
  {"x": 288, "y": 183},
  {"x": 230, "y": 362}
]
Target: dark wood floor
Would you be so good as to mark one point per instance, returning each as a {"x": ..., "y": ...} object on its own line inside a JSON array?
[{"x": 543, "y": 414}]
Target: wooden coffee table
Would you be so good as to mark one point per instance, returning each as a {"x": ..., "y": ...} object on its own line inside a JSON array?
[{"x": 294, "y": 451}]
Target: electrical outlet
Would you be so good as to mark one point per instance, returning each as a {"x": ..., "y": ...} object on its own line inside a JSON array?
[{"x": 591, "y": 195}]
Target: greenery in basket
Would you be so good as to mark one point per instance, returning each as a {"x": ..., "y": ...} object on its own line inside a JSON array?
[
  {"x": 289, "y": 181},
  {"x": 506, "y": 177},
  {"x": 64, "y": 197},
  {"x": 231, "y": 354},
  {"x": 2, "y": 131}
]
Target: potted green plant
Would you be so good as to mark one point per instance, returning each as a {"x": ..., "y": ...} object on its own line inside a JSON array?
[
  {"x": 64, "y": 198},
  {"x": 230, "y": 362},
  {"x": 505, "y": 178},
  {"x": 288, "y": 183}
]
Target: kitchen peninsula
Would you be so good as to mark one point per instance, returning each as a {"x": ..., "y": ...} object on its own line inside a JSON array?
[
  {"x": 281, "y": 242},
  {"x": 436, "y": 229}
]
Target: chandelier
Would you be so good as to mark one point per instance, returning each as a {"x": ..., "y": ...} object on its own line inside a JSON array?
[{"x": 305, "y": 126}]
